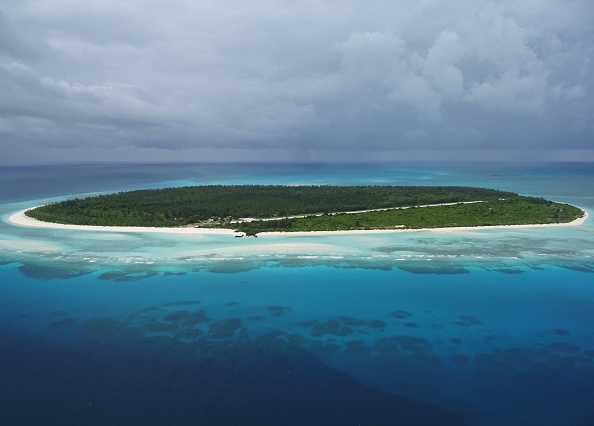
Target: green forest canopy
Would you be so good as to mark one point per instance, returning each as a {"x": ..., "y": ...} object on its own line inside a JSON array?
[{"x": 325, "y": 208}]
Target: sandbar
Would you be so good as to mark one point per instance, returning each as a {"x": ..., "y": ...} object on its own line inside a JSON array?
[{"x": 19, "y": 218}]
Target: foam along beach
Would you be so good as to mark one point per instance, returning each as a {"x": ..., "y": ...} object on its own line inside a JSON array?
[{"x": 19, "y": 218}]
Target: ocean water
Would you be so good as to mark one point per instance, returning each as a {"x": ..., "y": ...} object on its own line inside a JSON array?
[{"x": 479, "y": 327}]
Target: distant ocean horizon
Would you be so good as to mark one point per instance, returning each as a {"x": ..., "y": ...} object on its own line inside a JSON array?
[{"x": 477, "y": 327}]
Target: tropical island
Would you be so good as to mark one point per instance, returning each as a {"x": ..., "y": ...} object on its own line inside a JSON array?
[{"x": 251, "y": 209}]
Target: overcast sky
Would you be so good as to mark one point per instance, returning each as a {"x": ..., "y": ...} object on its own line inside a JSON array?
[{"x": 195, "y": 80}]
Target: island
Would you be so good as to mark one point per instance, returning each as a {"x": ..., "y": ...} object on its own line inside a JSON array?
[{"x": 253, "y": 209}]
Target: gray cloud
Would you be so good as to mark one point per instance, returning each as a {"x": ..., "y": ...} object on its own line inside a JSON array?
[{"x": 299, "y": 77}]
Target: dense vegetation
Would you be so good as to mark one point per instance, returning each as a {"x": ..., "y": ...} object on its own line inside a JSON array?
[
  {"x": 511, "y": 211},
  {"x": 219, "y": 206}
]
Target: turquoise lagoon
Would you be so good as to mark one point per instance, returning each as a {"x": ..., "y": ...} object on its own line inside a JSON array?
[{"x": 479, "y": 327}]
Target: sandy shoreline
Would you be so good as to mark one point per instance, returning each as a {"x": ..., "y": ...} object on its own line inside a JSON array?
[{"x": 19, "y": 218}]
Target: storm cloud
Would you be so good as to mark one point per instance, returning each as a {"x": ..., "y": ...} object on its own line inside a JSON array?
[{"x": 375, "y": 79}]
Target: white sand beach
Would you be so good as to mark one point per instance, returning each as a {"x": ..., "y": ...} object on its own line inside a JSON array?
[{"x": 19, "y": 218}]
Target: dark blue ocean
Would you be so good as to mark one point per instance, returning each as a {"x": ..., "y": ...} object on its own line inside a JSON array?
[{"x": 475, "y": 327}]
